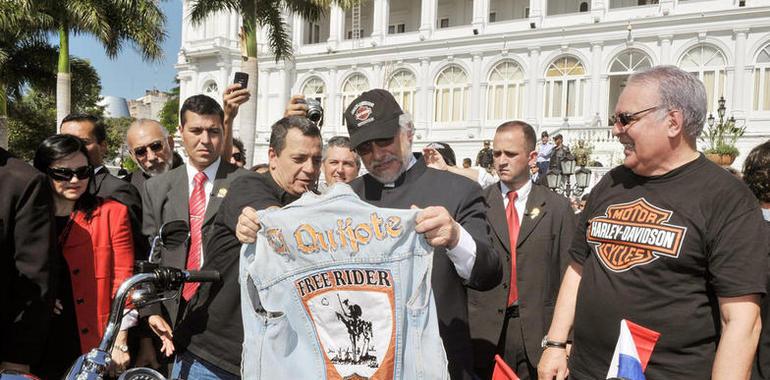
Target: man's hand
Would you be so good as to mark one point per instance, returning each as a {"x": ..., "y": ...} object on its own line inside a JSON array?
[
  {"x": 438, "y": 226},
  {"x": 553, "y": 364},
  {"x": 296, "y": 106},
  {"x": 23, "y": 368},
  {"x": 146, "y": 356},
  {"x": 434, "y": 159},
  {"x": 119, "y": 358},
  {"x": 248, "y": 226},
  {"x": 233, "y": 98},
  {"x": 161, "y": 328}
]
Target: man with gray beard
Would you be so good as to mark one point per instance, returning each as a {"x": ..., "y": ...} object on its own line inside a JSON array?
[{"x": 151, "y": 147}]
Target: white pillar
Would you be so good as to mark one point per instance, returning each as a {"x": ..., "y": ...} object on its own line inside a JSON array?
[
  {"x": 336, "y": 26},
  {"x": 598, "y": 9},
  {"x": 537, "y": 10},
  {"x": 739, "y": 84},
  {"x": 428, "y": 18},
  {"x": 334, "y": 112},
  {"x": 297, "y": 31},
  {"x": 475, "y": 76},
  {"x": 424, "y": 99},
  {"x": 480, "y": 15},
  {"x": 380, "y": 24},
  {"x": 532, "y": 86},
  {"x": 596, "y": 72},
  {"x": 665, "y": 49}
]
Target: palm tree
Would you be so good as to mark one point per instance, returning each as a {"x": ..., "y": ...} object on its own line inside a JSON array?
[
  {"x": 255, "y": 14},
  {"x": 112, "y": 22}
]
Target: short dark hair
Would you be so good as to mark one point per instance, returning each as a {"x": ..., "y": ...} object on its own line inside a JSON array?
[
  {"x": 201, "y": 105},
  {"x": 544, "y": 134},
  {"x": 281, "y": 128},
  {"x": 341, "y": 142},
  {"x": 756, "y": 171},
  {"x": 100, "y": 129},
  {"x": 55, "y": 148},
  {"x": 239, "y": 144},
  {"x": 529, "y": 132}
]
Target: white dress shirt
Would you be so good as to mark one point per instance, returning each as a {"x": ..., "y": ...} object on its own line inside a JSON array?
[
  {"x": 521, "y": 200},
  {"x": 208, "y": 184}
]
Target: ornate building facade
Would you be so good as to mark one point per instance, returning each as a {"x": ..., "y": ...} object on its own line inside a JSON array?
[{"x": 462, "y": 67}]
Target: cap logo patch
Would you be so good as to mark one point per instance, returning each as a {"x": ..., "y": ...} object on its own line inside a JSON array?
[{"x": 362, "y": 112}]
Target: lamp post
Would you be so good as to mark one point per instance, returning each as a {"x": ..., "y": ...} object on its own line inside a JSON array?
[{"x": 560, "y": 179}]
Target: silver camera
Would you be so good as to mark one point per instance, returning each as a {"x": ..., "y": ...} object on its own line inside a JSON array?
[{"x": 314, "y": 111}]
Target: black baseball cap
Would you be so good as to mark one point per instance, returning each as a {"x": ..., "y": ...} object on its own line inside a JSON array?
[
  {"x": 445, "y": 151},
  {"x": 373, "y": 115}
]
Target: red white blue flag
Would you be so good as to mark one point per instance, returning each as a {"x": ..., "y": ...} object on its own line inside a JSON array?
[{"x": 632, "y": 352}]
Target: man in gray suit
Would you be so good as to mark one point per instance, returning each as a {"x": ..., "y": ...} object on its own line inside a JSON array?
[
  {"x": 178, "y": 194},
  {"x": 512, "y": 318}
]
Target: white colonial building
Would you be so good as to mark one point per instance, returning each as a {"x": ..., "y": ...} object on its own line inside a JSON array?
[{"x": 461, "y": 67}]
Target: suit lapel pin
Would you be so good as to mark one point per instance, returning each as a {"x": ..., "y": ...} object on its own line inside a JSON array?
[
  {"x": 534, "y": 213},
  {"x": 222, "y": 192}
]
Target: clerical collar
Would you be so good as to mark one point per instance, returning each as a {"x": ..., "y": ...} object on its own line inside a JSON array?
[{"x": 412, "y": 161}]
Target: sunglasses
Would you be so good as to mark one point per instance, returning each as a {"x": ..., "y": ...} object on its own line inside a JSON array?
[
  {"x": 156, "y": 147},
  {"x": 626, "y": 118},
  {"x": 66, "y": 174},
  {"x": 366, "y": 147},
  {"x": 239, "y": 157}
]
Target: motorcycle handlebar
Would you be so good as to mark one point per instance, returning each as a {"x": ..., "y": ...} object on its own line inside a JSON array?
[{"x": 202, "y": 276}]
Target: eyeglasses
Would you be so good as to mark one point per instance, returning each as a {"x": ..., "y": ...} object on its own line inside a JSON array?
[
  {"x": 239, "y": 157},
  {"x": 156, "y": 147},
  {"x": 366, "y": 148},
  {"x": 66, "y": 174},
  {"x": 625, "y": 118}
]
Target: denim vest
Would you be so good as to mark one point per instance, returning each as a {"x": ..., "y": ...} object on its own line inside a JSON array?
[{"x": 335, "y": 288}]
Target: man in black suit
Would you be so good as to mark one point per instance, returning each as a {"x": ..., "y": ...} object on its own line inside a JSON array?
[
  {"x": 168, "y": 197},
  {"x": 105, "y": 185},
  {"x": 453, "y": 219},
  {"x": 27, "y": 241},
  {"x": 511, "y": 320}
]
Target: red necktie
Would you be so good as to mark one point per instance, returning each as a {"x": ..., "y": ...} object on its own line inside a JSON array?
[
  {"x": 197, "y": 211},
  {"x": 513, "y": 235}
]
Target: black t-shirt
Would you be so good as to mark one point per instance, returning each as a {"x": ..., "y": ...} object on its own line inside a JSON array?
[
  {"x": 212, "y": 327},
  {"x": 658, "y": 251}
]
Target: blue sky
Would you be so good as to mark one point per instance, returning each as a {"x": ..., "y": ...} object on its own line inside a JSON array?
[{"x": 127, "y": 75}]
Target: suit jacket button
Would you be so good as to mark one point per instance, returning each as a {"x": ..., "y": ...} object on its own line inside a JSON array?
[
  {"x": 75, "y": 271},
  {"x": 84, "y": 330},
  {"x": 500, "y": 311},
  {"x": 80, "y": 301}
]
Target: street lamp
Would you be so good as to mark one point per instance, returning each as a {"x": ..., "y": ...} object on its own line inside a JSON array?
[{"x": 560, "y": 179}]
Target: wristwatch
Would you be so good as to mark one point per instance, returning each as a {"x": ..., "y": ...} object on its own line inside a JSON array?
[
  {"x": 122, "y": 347},
  {"x": 546, "y": 343}
]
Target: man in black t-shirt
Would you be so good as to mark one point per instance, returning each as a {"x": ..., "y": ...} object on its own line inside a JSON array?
[{"x": 669, "y": 241}]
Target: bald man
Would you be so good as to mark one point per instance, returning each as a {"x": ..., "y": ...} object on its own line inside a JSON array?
[{"x": 151, "y": 147}]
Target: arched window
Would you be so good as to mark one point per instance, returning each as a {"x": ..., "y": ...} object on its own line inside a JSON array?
[
  {"x": 505, "y": 92},
  {"x": 584, "y": 7},
  {"x": 352, "y": 88},
  {"x": 708, "y": 63},
  {"x": 403, "y": 85},
  {"x": 564, "y": 86},
  {"x": 451, "y": 99},
  {"x": 762, "y": 80},
  {"x": 316, "y": 89},
  {"x": 211, "y": 89},
  {"x": 622, "y": 66}
]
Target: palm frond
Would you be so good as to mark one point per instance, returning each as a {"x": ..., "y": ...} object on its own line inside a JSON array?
[
  {"x": 269, "y": 15},
  {"x": 309, "y": 10},
  {"x": 200, "y": 9}
]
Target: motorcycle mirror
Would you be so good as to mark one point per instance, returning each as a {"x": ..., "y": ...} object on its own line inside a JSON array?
[{"x": 174, "y": 233}]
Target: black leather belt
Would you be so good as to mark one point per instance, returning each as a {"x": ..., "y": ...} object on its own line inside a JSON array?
[{"x": 512, "y": 311}]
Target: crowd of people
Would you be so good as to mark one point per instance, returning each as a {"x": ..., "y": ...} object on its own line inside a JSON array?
[{"x": 667, "y": 240}]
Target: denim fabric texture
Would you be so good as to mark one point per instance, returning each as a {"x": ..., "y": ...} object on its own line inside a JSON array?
[
  {"x": 189, "y": 366},
  {"x": 335, "y": 288}
]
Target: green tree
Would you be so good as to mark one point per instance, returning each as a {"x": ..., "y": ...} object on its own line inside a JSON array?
[
  {"x": 169, "y": 114},
  {"x": 257, "y": 13},
  {"x": 32, "y": 114},
  {"x": 112, "y": 22},
  {"x": 116, "y": 138}
]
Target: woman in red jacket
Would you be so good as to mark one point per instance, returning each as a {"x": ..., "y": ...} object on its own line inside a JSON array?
[{"x": 96, "y": 256}]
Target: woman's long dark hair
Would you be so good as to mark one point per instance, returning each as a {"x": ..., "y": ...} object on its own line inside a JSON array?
[{"x": 57, "y": 147}]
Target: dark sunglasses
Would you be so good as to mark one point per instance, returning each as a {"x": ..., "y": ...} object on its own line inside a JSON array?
[
  {"x": 66, "y": 174},
  {"x": 625, "y": 118},
  {"x": 239, "y": 157},
  {"x": 366, "y": 147},
  {"x": 156, "y": 147}
]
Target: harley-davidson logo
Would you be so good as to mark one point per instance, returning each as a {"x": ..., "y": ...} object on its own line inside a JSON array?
[
  {"x": 363, "y": 112},
  {"x": 633, "y": 234}
]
